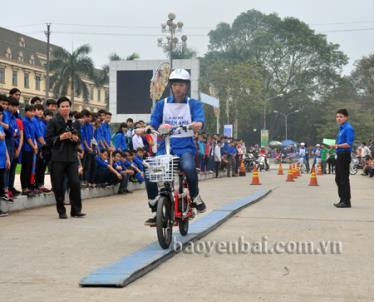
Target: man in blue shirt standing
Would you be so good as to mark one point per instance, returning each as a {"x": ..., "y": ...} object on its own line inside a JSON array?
[
  {"x": 343, "y": 146},
  {"x": 175, "y": 110}
]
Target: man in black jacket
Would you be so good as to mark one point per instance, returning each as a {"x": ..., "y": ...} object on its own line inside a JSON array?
[{"x": 63, "y": 138}]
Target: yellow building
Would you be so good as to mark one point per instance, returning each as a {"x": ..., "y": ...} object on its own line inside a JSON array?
[{"x": 22, "y": 65}]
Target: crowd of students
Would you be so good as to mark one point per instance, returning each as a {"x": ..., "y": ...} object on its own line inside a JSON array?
[
  {"x": 105, "y": 157},
  {"x": 102, "y": 160}
]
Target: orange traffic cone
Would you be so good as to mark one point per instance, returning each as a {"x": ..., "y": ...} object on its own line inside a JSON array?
[
  {"x": 280, "y": 170},
  {"x": 242, "y": 169},
  {"x": 320, "y": 171},
  {"x": 290, "y": 174},
  {"x": 255, "y": 179},
  {"x": 294, "y": 171},
  {"x": 298, "y": 170},
  {"x": 313, "y": 179}
]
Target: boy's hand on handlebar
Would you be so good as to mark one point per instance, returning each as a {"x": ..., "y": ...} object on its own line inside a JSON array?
[
  {"x": 164, "y": 128},
  {"x": 196, "y": 126}
]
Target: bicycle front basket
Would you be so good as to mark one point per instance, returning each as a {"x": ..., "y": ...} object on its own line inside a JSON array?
[{"x": 161, "y": 168}]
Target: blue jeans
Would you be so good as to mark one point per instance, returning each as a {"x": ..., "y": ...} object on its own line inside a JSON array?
[{"x": 187, "y": 164}]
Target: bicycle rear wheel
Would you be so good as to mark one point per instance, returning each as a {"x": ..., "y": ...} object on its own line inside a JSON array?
[{"x": 164, "y": 222}]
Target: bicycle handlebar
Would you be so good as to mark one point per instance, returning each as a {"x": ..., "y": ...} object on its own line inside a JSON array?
[{"x": 170, "y": 131}]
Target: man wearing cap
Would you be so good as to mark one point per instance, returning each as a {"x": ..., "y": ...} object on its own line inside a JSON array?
[
  {"x": 343, "y": 147},
  {"x": 175, "y": 110}
]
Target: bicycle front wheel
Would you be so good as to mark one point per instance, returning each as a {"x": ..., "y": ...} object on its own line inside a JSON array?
[{"x": 164, "y": 222}]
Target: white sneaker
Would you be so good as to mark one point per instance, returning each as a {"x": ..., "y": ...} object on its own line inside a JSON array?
[{"x": 199, "y": 204}]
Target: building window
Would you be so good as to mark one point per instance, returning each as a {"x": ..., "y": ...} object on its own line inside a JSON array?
[
  {"x": 32, "y": 60},
  {"x": 91, "y": 93},
  {"x": 20, "y": 56},
  {"x": 26, "y": 80},
  {"x": 99, "y": 95},
  {"x": 21, "y": 42},
  {"x": 15, "y": 78},
  {"x": 2, "y": 75},
  {"x": 37, "y": 82},
  {"x": 8, "y": 53}
]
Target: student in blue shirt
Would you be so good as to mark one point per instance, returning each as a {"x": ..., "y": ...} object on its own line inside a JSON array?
[
  {"x": 4, "y": 163},
  {"x": 175, "y": 110},
  {"x": 120, "y": 138},
  {"x": 12, "y": 132},
  {"x": 87, "y": 140},
  {"x": 41, "y": 118},
  {"x": 98, "y": 134},
  {"x": 29, "y": 149},
  {"x": 343, "y": 147},
  {"x": 138, "y": 159},
  {"x": 118, "y": 165},
  {"x": 107, "y": 132},
  {"x": 138, "y": 175},
  {"x": 105, "y": 173}
]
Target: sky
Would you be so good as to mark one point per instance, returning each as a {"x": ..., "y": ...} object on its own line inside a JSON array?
[{"x": 124, "y": 27}]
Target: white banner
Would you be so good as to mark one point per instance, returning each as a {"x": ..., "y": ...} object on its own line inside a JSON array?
[
  {"x": 228, "y": 130},
  {"x": 210, "y": 100}
]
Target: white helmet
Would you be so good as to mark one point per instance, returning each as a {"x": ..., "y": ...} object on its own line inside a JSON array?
[
  {"x": 302, "y": 144},
  {"x": 179, "y": 75}
]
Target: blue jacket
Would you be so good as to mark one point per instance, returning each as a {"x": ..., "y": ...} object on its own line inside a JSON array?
[
  {"x": 120, "y": 141},
  {"x": 10, "y": 119},
  {"x": 3, "y": 150},
  {"x": 106, "y": 133},
  {"x": 87, "y": 134},
  {"x": 179, "y": 146},
  {"x": 38, "y": 129},
  {"x": 29, "y": 132}
]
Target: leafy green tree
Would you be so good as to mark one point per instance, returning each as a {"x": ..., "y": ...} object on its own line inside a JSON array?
[
  {"x": 69, "y": 70},
  {"x": 362, "y": 78},
  {"x": 297, "y": 69}
]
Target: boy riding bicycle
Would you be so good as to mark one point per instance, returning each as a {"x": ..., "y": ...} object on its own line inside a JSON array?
[{"x": 178, "y": 110}]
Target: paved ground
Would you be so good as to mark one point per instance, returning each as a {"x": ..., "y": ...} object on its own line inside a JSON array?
[{"x": 43, "y": 258}]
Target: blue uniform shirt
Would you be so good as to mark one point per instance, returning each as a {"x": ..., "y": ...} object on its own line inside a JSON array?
[
  {"x": 3, "y": 150},
  {"x": 345, "y": 135},
  {"x": 29, "y": 132},
  {"x": 98, "y": 136},
  {"x": 88, "y": 133},
  {"x": 10, "y": 119},
  {"x": 116, "y": 164},
  {"x": 38, "y": 131},
  {"x": 106, "y": 133},
  {"x": 179, "y": 146},
  {"x": 138, "y": 162},
  {"x": 101, "y": 163},
  {"x": 126, "y": 164},
  {"x": 120, "y": 141}
]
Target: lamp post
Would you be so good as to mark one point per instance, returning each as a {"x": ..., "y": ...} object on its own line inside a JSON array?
[
  {"x": 286, "y": 119},
  {"x": 171, "y": 42}
]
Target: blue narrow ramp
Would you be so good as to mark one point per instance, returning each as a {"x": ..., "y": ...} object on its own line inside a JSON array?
[{"x": 135, "y": 265}]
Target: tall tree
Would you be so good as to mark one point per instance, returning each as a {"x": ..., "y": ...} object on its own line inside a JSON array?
[
  {"x": 362, "y": 78},
  {"x": 298, "y": 67},
  {"x": 69, "y": 69}
]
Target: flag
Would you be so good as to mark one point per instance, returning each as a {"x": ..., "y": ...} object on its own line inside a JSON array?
[{"x": 209, "y": 100}]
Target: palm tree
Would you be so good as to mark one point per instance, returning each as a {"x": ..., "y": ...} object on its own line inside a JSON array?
[
  {"x": 68, "y": 70},
  {"x": 102, "y": 76}
]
